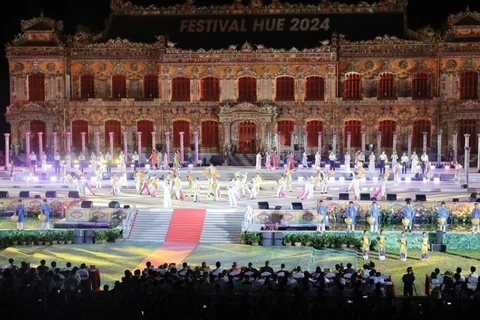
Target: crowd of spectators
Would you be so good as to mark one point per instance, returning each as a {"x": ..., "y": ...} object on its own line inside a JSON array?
[{"x": 204, "y": 292}]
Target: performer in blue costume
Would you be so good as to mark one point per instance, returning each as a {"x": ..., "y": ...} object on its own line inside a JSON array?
[
  {"x": 20, "y": 212},
  {"x": 47, "y": 211},
  {"x": 408, "y": 213},
  {"x": 443, "y": 212}
]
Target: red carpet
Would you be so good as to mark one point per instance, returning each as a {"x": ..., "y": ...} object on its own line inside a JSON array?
[{"x": 186, "y": 225}]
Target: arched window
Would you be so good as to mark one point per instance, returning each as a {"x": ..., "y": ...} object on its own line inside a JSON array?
[
  {"x": 150, "y": 86},
  {"x": 285, "y": 127},
  {"x": 352, "y": 86},
  {"x": 79, "y": 126},
  {"x": 146, "y": 128},
  {"x": 36, "y": 87},
  {"x": 181, "y": 126},
  {"x": 468, "y": 126},
  {"x": 247, "y": 89},
  {"x": 285, "y": 89},
  {"x": 210, "y": 89},
  {"x": 181, "y": 89},
  {"x": 209, "y": 133},
  {"x": 386, "y": 86},
  {"x": 115, "y": 127},
  {"x": 119, "y": 86},
  {"x": 315, "y": 88},
  {"x": 355, "y": 127},
  {"x": 421, "y": 85},
  {"x": 313, "y": 128},
  {"x": 419, "y": 127},
  {"x": 387, "y": 127},
  {"x": 468, "y": 85},
  {"x": 87, "y": 86}
]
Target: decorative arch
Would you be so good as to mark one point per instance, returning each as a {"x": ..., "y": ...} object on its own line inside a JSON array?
[
  {"x": 355, "y": 127},
  {"x": 315, "y": 88},
  {"x": 386, "y": 86},
  {"x": 79, "y": 126},
  {"x": 313, "y": 128},
  {"x": 418, "y": 128},
  {"x": 150, "y": 86},
  {"x": 285, "y": 127},
  {"x": 119, "y": 86},
  {"x": 209, "y": 133},
  {"x": 210, "y": 88},
  {"x": 36, "y": 87},
  {"x": 180, "y": 88},
  {"x": 352, "y": 86},
  {"x": 387, "y": 127},
  {"x": 468, "y": 85},
  {"x": 87, "y": 86},
  {"x": 114, "y": 126},
  {"x": 146, "y": 127},
  {"x": 285, "y": 88},
  {"x": 181, "y": 126},
  {"x": 247, "y": 89}
]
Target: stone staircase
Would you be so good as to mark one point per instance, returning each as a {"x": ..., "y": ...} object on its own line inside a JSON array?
[
  {"x": 222, "y": 227},
  {"x": 150, "y": 225},
  {"x": 242, "y": 160}
]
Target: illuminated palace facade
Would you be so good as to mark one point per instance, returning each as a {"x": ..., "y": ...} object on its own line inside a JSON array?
[{"x": 247, "y": 77}]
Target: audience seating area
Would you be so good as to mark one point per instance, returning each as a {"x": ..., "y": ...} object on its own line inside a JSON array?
[{"x": 215, "y": 292}]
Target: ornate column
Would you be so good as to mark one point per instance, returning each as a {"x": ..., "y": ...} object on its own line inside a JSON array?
[
  {"x": 154, "y": 140},
  {"x": 363, "y": 141},
  {"x": 478, "y": 152},
  {"x": 454, "y": 145},
  {"x": 125, "y": 143},
  {"x": 7, "y": 148},
  {"x": 467, "y": 157},
  {"x": 320, "y": 133},
  {"x": 27, "y": 146},
  {"x": 409, "y": 142},
  {"x": 439, "y": 147},
  {"x": 394, "y": 144},
  {"x": 305, "y": 140},
  {"x": 40, "y": 144},
  {"x": 424, "y": 149},
  {"x": 84, "y": 147},
  {"x": 292, "y": 140},
  {"x": 69, "y": 142},
  {"x": 334, "y": 142},
  {"x": 182, "y": 149},
  {"x": 195, "y": 135},
  {"x": 139, "y": 146},
  {"x": 110, "y": 135},
  {"x": 226, "y": 134},
  {"x": 277, "y": 145},
  {"x": 379, "y": 144},
  {"x": 263, "y": 135},
  {"x": 349, "y": 141},
  {"x": 55, "y": 143},
  {"x": 97, "y": 143},
  {"x": 167, "y": 144}
]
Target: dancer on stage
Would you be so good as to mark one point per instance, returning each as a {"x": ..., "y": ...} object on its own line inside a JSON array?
[
  {"x": 232, "y": 192},
  {"x": 258, "y": 161},
  {"x": 190, "y": 180},
  {"x": 33, "y": 161},
  {"x": 403, "y": 246},
  {"x": 196, "y": 190},
  {"x": 153, "y": 159},
  {"x": 281, "y": 187},
  {"x": 428, "y": 167},
  {"x": 383, "y": 162},
  {"x": 458, "y": 171},
  {"x": 268, "y": 161},
  {"x": 177, "y": 162},
  {"x": 43, "y": 162},
  {"x": 166, "y": 165},
  {"x": 351, "y": 213},
  {"x": 365, "y": 245},
  {"x": 318, "y": 159},
  {"x": 404, "y": 162},
  {"x": 167, "y": 194},
  {"x": 115, "y": 184},
  {"x": 475, "y": 215},
  {"x": 347, "y": 162},
  {"x": 408, "y": 213},
  {"x": 274, "y": 160},
  {"x": 159, "y": 160},
  {"x": 394, "y": 158},
  {"x": 84, "y": 184},
  {"x": 68, "y": 162},
  {"x": 425, "y": 246},
  {"x": 288, "y": 180},
  {"x": 290, "y": 161},
  {"x": 414, "y": 159},
  {"x": 244, "y": 184},
  {"x": 424, "y": 158},
  {"x": 256, "y": 183},
  {"x": 371, "y": 165},
  {"x": 322, "y": 216},
  {"x": 356, "y": 184},
  {"x": 177, "y": 188},
  {"x": 396, "y": 173},
  {"x": 98, "y": 178},
  {"x": 145, "y": 181},
  {"x": 382, "y": 248},
  {"x": 374, "y": 212},
  {"x": 153, "y": 186},
  {"x": 361, "y": 159},
  {"x": 304, "y": 159},
  {"x": 305, "y": 194},
  {"x": 325, "y": 176},
  {"x": 122, "y": 160},
  {"x": 138, "y": 176},
  {"x": 381, "y": 192},
  {"x": 332, "y": 158},
  {"x": 76, "y": 185},
  {"x": 443, "y": 212},
  {"x": 46, "y": 209},
  {"x": 123, "y": 177}
]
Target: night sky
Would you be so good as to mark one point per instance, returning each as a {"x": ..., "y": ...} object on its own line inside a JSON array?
[{"x": 93, "y": 13}]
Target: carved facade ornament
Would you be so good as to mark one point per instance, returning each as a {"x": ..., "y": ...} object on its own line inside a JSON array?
[
  {"x": 369, "y": 65},
  {"x": 284, "y": 71},
  {"x": 299, "y": 70},
  {"x": 246, "y": 47},
  {"x": 134, "y": 67},
  {"x": 102, "y": 67},
  {"x": 451, "y": 64},
  {"x": 41, "y": 21},
  {"x": 420, "y": 65},
  {"x": 195, "y": 70},
  {"x": 227, "y": 70},
  {"x": 468, "y": 64},
  {"x": 19, "y": 67},
  {"x": 403, "y": 64},
  {"x": 246, "y": 70},
  {"x": 455, "y": 18},
  {"x": 165, "y": 70},
  {"x": 51, "y": 67},
  {"x": 258, "y": 7},
  {"x": 179, "y": 72},
  {"x": 265, "y": 70},
  {"x": 385, "y": 40}
]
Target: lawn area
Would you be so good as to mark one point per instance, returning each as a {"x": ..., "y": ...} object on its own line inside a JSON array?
[
  {"x": 31, "y": 223},
  {"x": 113, "y": 258}
]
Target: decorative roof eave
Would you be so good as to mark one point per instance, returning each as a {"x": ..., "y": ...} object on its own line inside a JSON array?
[
  {"x": 385, "y": 40},
  {"x": 454, "y": 18},
  {"x": 427, "y": 34},
  {"x": 21, "y": 40},
  {"x": 118, "y": 43},
  {"x": 120, "y": 7},
  {"x": 54, "y": 25}
]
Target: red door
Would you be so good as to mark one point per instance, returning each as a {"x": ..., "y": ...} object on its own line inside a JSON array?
[
  {"x": 37, "y": 126},
  {"x": 247, "y": 136}
]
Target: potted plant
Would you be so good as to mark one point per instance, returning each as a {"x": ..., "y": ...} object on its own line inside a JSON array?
[
  {"x": 68, "y": 236},
  {"x": 343, "y": 240},
  {"x": 255, "y": 238},
  {"x": 100, "y": 236},
  {"x": 307, "y": 239},
  {"x": 113, "y": 235},
  {"x": 297, "y": 239},
  {"x": 287, "y": 239}
]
